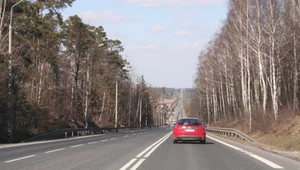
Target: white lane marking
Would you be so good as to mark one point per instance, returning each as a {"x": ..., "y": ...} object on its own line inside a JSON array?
[
  {"x": 139, "y": 155},
  {"x": 134, "y": 134},
  {"x": 231, "y": 146},
  {"x": 112, "y": 138},
  {"x": 92, "y": 142},
  {"x": 125, "y": 136},
  {"x": 160, "y": 141},
  {"x": 137, "y": 164},
  {"x": 153, "y": 149},
  {"x": 50, "y": 141},
  {"x": 104, "y": 140},
  {"x": 271, "y": 164},
  {"x": 25, "y": 157},
  {"x": 75, "y": 146},
  {"x": 55, "y": 150},
  {"x": 128, "y": 164}
]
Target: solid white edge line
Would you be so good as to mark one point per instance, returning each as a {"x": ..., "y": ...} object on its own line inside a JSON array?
[
  {"x": 153, "y": 149},
  {"x": 75, "y": 146},
  {"x": 92, "y": 142},
  {"x": 231, "y": 146},
  {"x": 137, "y": 164},
  {"x": 19, "y": 158},
  {"x": 143, "y": 152},
  {"x": 49, "y": 141},
  {"x": 55, "y": 150},
  {"x": 270, "y": 163},
  {"x": 128, "y": 164}
]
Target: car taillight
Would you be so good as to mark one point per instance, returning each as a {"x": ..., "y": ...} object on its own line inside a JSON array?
[{"x": 199, "y": 127}]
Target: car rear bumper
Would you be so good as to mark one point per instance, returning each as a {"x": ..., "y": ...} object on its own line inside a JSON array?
[{"x": 189, "y": 138}]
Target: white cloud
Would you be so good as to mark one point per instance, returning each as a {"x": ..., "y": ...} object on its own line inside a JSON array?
[
  {"x": 156, "y": 28},
  {"x": 182, "y": 33},
  {"x": 156, "y": 3},
  {"x": 140, "y": 47},
  {"x": 105, "y": 16}
]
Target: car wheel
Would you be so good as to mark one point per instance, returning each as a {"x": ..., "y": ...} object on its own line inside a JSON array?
[
  {"x": 203, "y": 141},
  {"x": 174, "y": 141}
]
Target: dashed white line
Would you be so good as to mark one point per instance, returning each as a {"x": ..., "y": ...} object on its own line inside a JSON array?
[
  {"x": 92, "y": 142},
  {"x": 55, "y": 150},
  {"x": 128, "y": 164},
  {"x": 104, "y": 140},
  {"x": 25, "y": 157},
  {"x": 134, "y": 134},
  {"x": 271, "y": 164},
  {"x": 112, "y": 138},
  {"x": 75, "y": 146},
  {"x": 125, "y": 136}
]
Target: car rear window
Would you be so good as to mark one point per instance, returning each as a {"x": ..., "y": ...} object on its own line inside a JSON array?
[{"x": 189, "y": 122}]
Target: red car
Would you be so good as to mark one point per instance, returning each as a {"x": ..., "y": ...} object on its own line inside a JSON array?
[{"x": 189, "y": 129}]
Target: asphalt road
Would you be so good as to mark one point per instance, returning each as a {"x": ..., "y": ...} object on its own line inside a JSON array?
[{"x": 151, "y": 149}]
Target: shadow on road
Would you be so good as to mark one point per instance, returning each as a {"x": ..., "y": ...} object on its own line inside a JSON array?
[{"x": 194, "y": 142}]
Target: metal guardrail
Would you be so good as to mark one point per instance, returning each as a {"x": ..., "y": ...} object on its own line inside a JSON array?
[
  {"x": 230, "y": 132},
  {"x": 71, "y": 132}
]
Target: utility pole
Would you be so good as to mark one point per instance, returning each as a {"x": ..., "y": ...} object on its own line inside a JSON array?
[
  {"x": 10, "y": 77},
  {"x": 116, "y": 111},
  {"x": 140, "y": 119},
  {"x": 129, "y": 114}
]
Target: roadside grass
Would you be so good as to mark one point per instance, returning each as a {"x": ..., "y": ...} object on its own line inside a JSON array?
[
  {"x": 282, "y": 134},
  {"x": 285, "y": 142}
]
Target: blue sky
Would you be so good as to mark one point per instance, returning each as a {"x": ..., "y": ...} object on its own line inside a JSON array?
[{"x": 162, "y": 38}]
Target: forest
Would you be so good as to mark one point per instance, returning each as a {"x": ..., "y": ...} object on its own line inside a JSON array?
[
  {"x": 63, "y": 73},
  {"x": 249, "y": 71}
]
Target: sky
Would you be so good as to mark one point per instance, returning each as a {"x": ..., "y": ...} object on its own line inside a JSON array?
[{"x": 162, "y": 38}]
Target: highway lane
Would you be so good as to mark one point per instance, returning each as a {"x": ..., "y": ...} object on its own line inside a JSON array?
[
  {"x": 150, "y": 149},
  {"x": 215, "y": 156},
  {"x": 14, "y": 150},
  {"x": 100, "y": 152}
]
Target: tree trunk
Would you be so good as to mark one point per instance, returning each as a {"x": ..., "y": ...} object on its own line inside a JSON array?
[
  {"x": 102, "y": 108},
  {"x": 87, "y": 88}
]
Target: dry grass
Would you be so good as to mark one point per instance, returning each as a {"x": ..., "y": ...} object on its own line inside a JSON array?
[{"x": 283, "y": 134}]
